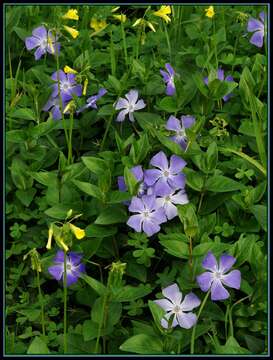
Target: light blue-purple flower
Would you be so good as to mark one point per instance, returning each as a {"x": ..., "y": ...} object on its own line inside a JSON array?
[
  {"x": 179, "y": 127},
  {"x": 43, "y": 40},
  {"x": 257, "y": 27},
  {"x": 149, "y": 216},
  {"x": 53, "y": 105},
  {"x": 168, "y": 78},
  {"x": 92, "y": 101},
  {"x": 165, "y": 174},
  {"x": 221, "y": 77},
  {"x": 217, "y": 276},
  {"x": 74, "y": 267},
  {"x": 180, "y": 310},
  {"x": 130, "y": 105},
  {"x": 68, "y": 86}
]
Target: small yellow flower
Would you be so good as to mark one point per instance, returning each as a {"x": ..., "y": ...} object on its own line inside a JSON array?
[
  {"x": 71, "y": 14},
  {"x": 85, "y": 87},
  {"x": 73, "y": 32},
  {"x": 79, "y": 233},
  {"x": 210, "y": 12},
  {"x": 121, "y": 17},
  {"x": 51, "y": 44},
  {"x": 49, "y": 241},
  {"x": 69, "y": 70},
  {"x": 97, "y": 25},
  {"x": 163, "y": 13}
]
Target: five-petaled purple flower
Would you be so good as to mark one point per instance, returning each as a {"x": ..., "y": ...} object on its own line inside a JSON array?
[
  {"x": 181, "y": 310},
  {"x": 179, "y": 127},
  {"x": 168, "y": 78},
  {"x": 149, "y": 215},
  {"x": 217, "y": 276},
  {"x": 73, "y": 267},
  {"x": 43, "y": 40},
  {"x": 68, "y": 86},
  {"x": 92, "y": 100},
  {"x": 166, "y": 174},
  {"x": 221, "y": 77},
  {"x": 130, "y": 104},
  {"x": 53, "y": 105},
  {"x": 257, "y": 27}
]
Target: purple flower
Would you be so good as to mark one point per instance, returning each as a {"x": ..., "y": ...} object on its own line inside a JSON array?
[
  {"x": 216, "y": 277},
  {"x": 168, "y": 78},
  {"x": 165, "y": 174},
  {"x": 43, "y": 40},
  {"x": 221, "y": 77},
  {"x": 53, "y": 105},
  {"x": 138, "y": 173},
  {"x": 149, "y": 215},
  {"x": 173, "y": 305},
  {"x": 179, "y": 127},
  {"x": 257, "y": 27},
  {"x": 92, "y": 101},
  {"x": 73, "y": 267},
  {"x": 130, "y": 104},
  {"x": 166, "y": 199},
  {"x": 68, "y": 86}
]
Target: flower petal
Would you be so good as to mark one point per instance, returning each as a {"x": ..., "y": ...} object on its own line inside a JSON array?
[
  {"x": 177, "y": 181},
  {"x": 132, "y": 96},
  {"x": 149, "y": 202},
  {"x": 205, "y": 280},
  {"x": 218, "y": 292},
  {"x": 229, "y": 78},
  {"x": 121, "y": 104},
  {"x": 56, "y": 112},
  {"x": 233, "y": 279},
  {"x": 151, "y": 176},
  {"x": 136, "y": 205},
  {"x": 180, "y": 198},
  {"x": 71, "y": 277},
  {"x": 226, "y": 262},
  {"x": 254, "y": 25},
  {"x": 187, "y": 121},
  {"x": 166, "y": 76},
  {"x": 176, "y": 164},
  {"x": 76, "y": 90},
  {"x": 139, "y": 105},
  {"x": 169, "y": 69},
  {"x": 56, "y": 271},
  {"x": 131, "y": 116},
  {"x": 173, "y": 293},
  {"x": 121, "y": 184},
  {"x": 164, "y": 322},
  {"x": 173, "y": 124},
  {"x": 258, "y": 38},
  {"x": 39, "y": 53},
  {"x": 160, "y": 161},
  {"x": 261, "y": 16},
  {"x": 121, "y": 115},
  {"x": 159, "y": 216},
  {"x": 31, "y": 42},
  {"x": 170, "y": 210},
  {"x": 74, "y": 258},
  {"x": 135, "y": 222},
  {"x": 62, "y": 76},
  {"x": 138, "y": 172},
  {"x": 187, "y": 320},
  {"x": 150, "y": 228},
  {"x": 220, "y": 74},
  {"x": 40, "y": 32},
  {"x": 210, "y": 263},
  {"x": 190, "y": 302},
  {"x": 164, "y": 304},
  {"x": 59, "y": 257},
  {"x": 170, "y": 89},
  {"x": 206, "y": 80}
]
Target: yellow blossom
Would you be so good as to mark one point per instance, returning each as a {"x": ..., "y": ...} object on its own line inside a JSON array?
[
  {"x": 71, "y": 14},
  {"x": 121, "y": 17},
  {"x": 49, "y": 241},
  {"x": 163, "y": 13},
  {"x": 50, "y": 44},
  {"x": 85, "y": 87},
  {"x": 73, "y": 32},
  {"x": 69, "y": 70},
  {"x": 210, "y": 12},
  {"x": 97, "y": 25},
  {"x": 79, "y": 233}
]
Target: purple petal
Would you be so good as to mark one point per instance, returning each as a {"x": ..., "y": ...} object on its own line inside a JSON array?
[
  {"x": 121, "y": 104},
  {"x": 71, "y": 78},
  {"x": 190, "y": 302},
  {"x": 76, "y": 90},
  {"x": 121, "y": 184},
  {"x": 257, "y": 38},
  {"x": 176, "y": 164},
  {"x": 173, "y": 293},
  {"x": 59, "y": 256},
  {"x": 170, "y": 89},
  {"x": 173, "y": 124},
  {"x": 131, "y": 117},
  {"x": 218, "y": 292},
  {"x": 138, "y": 172},
  {"x": 74, "y": 258},
  {"x": 136, "y": 205},
  {"x": 56, "y": 112},
  {"x": 62, "y": 76},
  {"x": 149, "y": 227},
  {"x": 179, "y": 140},
  {"x": 31, "y": 42},
  {"x": 170, "y": 69},
  {"x": 71, "y": 277},
  {"x": 226, "y": 97},
  {"x": 55, "y": 90},
  {"x": 210, "y": 263},
  {"x": 206, "y": 80},
  {"x": 40, "y": 32},
  {"x": 163, "y": 189},
  {"x": 164, "y": 323},
  {"x": 135, "y": 222},
  {"x": 101, "y": 92},
  {"x": 177, "y": 181},
  {"x": 220, "y": 74},
  {"x": 233, "y": 279},
  {"x": 139, "y": 105},
  {"x": 121, "y": 115},
  {"x": 187, "y": 320},
  {"x": 49, "y": 104},
  {"x": 261, "y": 16},
  {"x": 149, "y": 202},
  {"x": 160, "y": 161},
  {"x": 205, "y": 280},
  {"x": 180, "y": 198},
  {"x": 170, "y": 210},
  {"x": 39, "y": 53},
  {"x": 229, "y": 78},
  {"x": 159, "y": 216},
  {"x": 226, "y": 262},
  {"x": 163, "y": 181},
  {"x": 56, "y": 271},
  {"x": 151, "y": 176},
  {"x": 187, "y": 121},
  {"x": 166, "y": 76},
  {"x": 164, "y": 304},
  {"x": 132, "y": 96},
  {"x": 254, "y": 25}
]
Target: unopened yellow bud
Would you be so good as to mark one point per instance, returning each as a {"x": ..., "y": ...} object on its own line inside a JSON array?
[
  {"x": 84, "y": 87},
  {"x": 137, "y": 22},
  {"x": 69, "y": 70},
  {"x": 49, "y": 240},
  {"x": 73, "y": 32},
  {"x": 151, "y": 26},
  {"x": 122, "y": 18},
  {"x": 71, "y": 14},
  {"x": 79, "y": 233},
  {"x": 115, "y": 9}
]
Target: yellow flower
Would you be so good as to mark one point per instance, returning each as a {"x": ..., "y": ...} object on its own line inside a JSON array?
[
  {"x": 163, "y": 11},
  {"x": 210, "y": 12},
  {"x": 69, "y": 70},
  {"x": 71, "y": 14},
  {"x": 143, "y": 23},
  {"x": 138, "y": 22},
  {"x": 49, "y": 241},
  {"x": 79, "y": 233},
  {"x": 73, "y": 32},
  {"x": 85, "y": 87},
  {"x": 69, "y": 107},
  {"x": 121, "y": 17},
  {"x": 97, "y": 25},
  {"x": 51, "y": 44},
  {"x": 151, "y": 26},
  {"x": 115, "y": 9}
]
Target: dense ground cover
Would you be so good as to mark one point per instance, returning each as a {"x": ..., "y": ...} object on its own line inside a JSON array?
[{"x": 136, "y": 179}]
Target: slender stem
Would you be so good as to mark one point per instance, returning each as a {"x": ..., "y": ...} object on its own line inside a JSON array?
[
  {"x": 214, "y": 43},
  {"x": 234, "y": 52},
  {"x": 168, "y": 41},
  {"x": 190, "y": 248},
  {"x": 41, "y": 303},
  {"x": 65, "y": 304},
  {"x": 69, "y": 159},
  {"x": 198, "y": 315},
  {"x": 105, "y": 298},
  {"x": 124, "y": 43}
]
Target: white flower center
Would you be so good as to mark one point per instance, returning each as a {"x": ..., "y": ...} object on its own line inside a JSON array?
[
  {"x": 68, "y": 266},
  {"x": 168, "y": 198},
  {"x": 217, "y": 275},
  {"x": 43, "y": 43},
  {"x": 166, "y": 173},
  {"x": 177, "y": 309},
  {"x": 131, "y": 108},
  {"x": 65, "y": 85},
  {"x": 146, "y": 214}
]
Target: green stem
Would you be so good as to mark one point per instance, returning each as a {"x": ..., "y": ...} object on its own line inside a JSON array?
[
  {"x": 106, "y": 131},
  {"x": 168, "y": 42},
  {"x": 70, "y": 159},
  {"x": 124, "y": 43},
  {"x": 198, "y": 315},
  {"x": 41, "y": 303},
  {"x": 105, "y": 298},
  {"x": 65, "y": 305},
  {"x": 214, "y": 43}
]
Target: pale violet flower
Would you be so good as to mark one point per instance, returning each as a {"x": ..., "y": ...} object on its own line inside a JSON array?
[
  {"x": 168, "y": 78},
  {"x": 179, "y": 127},
  {"x": 257, "y": 28},
  {"x": 130, "y": 105}
]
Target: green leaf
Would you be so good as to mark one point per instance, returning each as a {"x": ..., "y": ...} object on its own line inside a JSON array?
[
  {"x": 189, "y": 219},
  {"x": 96, "y": 165},
  {"x": 168, "y": 104},
  {"x": 130, "y": 181},
  {"x": 175, "y": 247},
  {"x": 157, "y": 313},
  {"x": 199, "y": 82},
  {"x": 219, "y": 183},
  {"x": 26, "y": 196},
  {"x": 216, "y": 248},
  {"x": 112, "y": 314},
  {"x": 38, "y": 346},
  {"x": 231, "y": 347},
  {"x": 131, "y": 293},
  {"x": 88, "y": 188},
  {"x": 171, "y": 145},
  {"x": 23, "y": 113},
  {"x": 112, "y": 215},
  {"x": 116, "y": 197},
  {"x": 98, "y": 231},
  {"x": 218, "y": 89},
  {"x": 194, "y": 179},
  {"x": 148, "y": 121},
  {"x": 46, "y": 178},
  {"x": 95, "y": 285},
  {"x": 143, "y": 344},
  {"x": 58, "y": 211},
  {"x": 260, "y": 213}
]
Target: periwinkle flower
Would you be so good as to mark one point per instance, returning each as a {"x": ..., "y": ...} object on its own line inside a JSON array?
[
  {"x": 168, "y": 78},
  {"x": 149, "y": 216},
  {"x": 68, "y": 86},
  {"x": 74, "y": 267},
  {"x": 179, "y": 127},
  {"x": 43, "y": 40},
  {"x": 181, "y": 310},
  {"x": 165, "y": 174},
  {"x": 221, "y": 77},
  {"x": 130, "y": 105},
  {"x": 92, "y": 100},
  {"x": 257, "y": 27},
  {"x": 217, "y": 276},
  {"x": 53, "y": 105}
]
